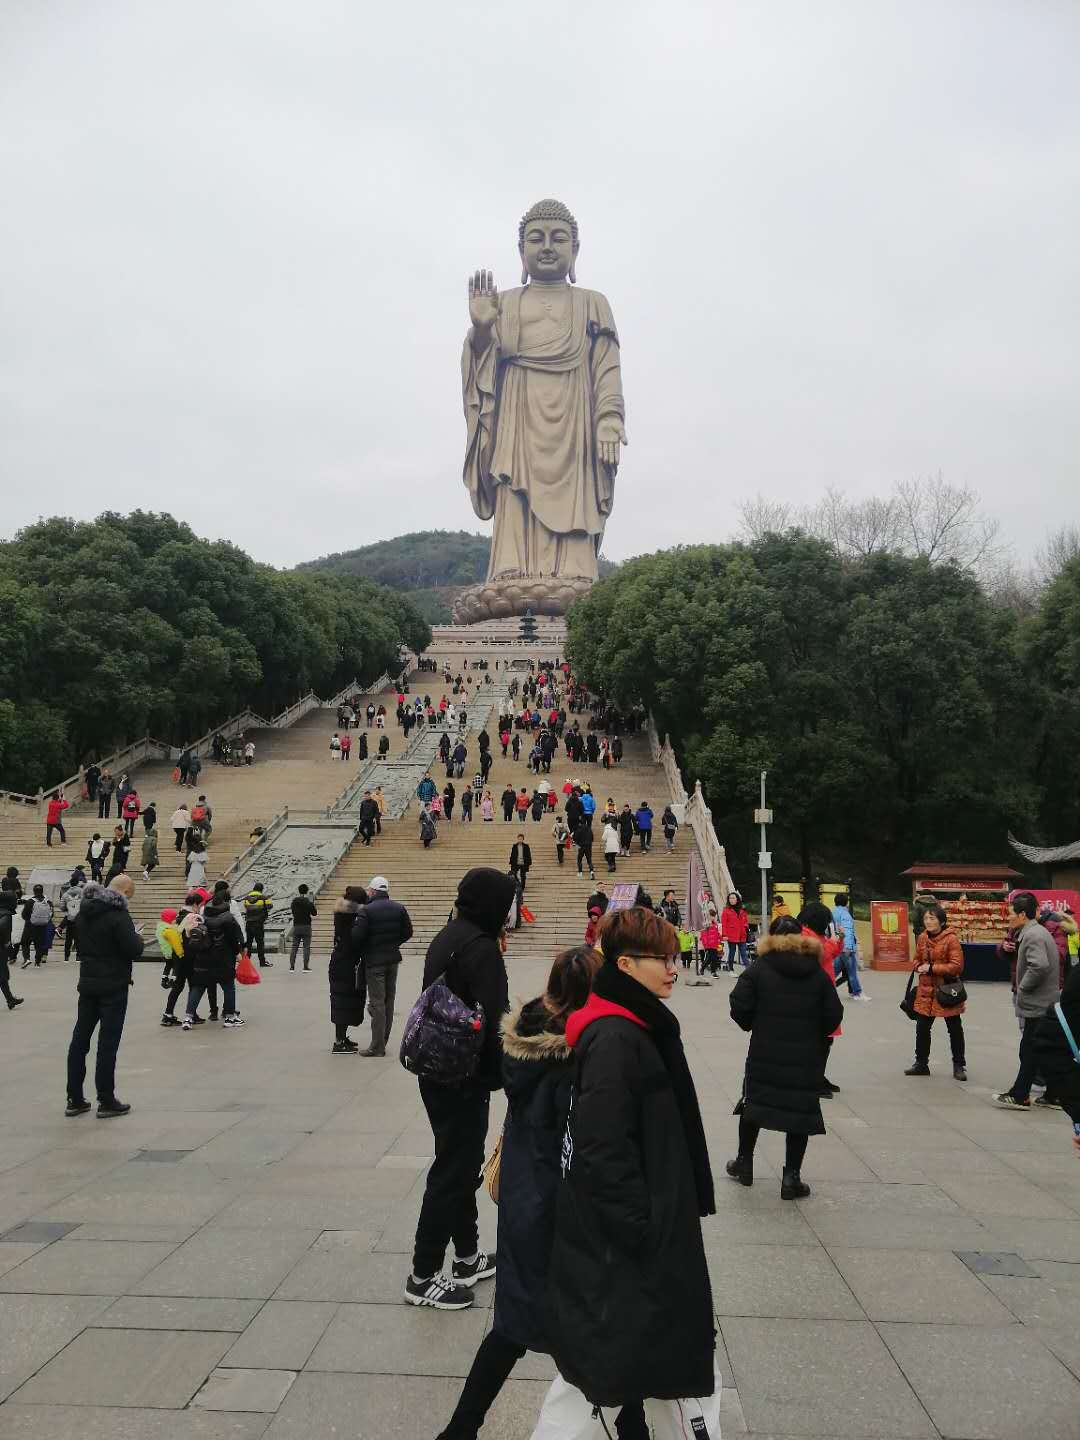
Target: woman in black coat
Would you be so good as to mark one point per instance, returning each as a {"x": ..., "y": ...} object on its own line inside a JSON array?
[
  {"x": 630, "y": 1302},
  {"x": 348, "y": 982},
  {"x": 538, "y": 1073},
  {"x": 790, "y": 1007}
]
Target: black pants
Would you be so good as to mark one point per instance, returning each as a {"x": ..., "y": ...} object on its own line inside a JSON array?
[
  {"x": 459, "y": 1121},
  {"x": 179, "y": 839},
  {"x": 522, "y": 875},
  {"x": 560, "y": 851},
  {"x": 69, "y": 941},
  {"x": 955, "y": 1026},
  {"x": 256, "y": 943},
  {"x": 104, "y": 806},
  {"x": 508, "y": 812},
  {"x": 794, "y": 1146},
  {"x": 106, "y": 1011},
  {"x": 177, "y": 989},
  {"x": 609, "y": 856},
  {"x": 490, "y": 1371},
  {"x": 129, "y": 825},
  {"x": 584, "y": 854},
  {"x": 1025, "y": 1076},
  {"x": 35, "y": 935},
  {"x": 366, "y": 832},
  {"x": 59, "y": 827},
  {"x": 5, "y": 977}
]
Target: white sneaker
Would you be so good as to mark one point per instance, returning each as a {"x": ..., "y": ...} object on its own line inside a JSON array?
[
  {"x": 146, "y": 874},
  {"x": 187, "y": 1023},
  {"x": 231, "y": 1022},
  {"x": 862, "y": 995}
]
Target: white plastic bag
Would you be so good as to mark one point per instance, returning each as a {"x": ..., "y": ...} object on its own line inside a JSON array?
[{"x": 567, "y": 1415}]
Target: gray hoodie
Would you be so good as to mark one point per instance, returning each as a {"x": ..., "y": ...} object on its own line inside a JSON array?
[{"x": 1037, "y": 972}]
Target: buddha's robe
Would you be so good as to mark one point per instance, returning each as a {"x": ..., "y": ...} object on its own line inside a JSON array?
[{"x": 531, "y": 415}]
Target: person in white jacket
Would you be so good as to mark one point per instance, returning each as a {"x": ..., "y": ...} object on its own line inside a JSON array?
[
  {"x": 611, "y": 846},
  {"x": 181, "y": 823}
]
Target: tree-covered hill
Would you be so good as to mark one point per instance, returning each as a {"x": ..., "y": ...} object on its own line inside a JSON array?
[{"x": 131, "y": 624}]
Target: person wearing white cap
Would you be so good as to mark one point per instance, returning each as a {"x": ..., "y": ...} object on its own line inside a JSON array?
[{"x": 382, "y": 926}]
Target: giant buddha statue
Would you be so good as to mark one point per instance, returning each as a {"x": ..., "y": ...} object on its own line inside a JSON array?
[{"x": 544, "y": 415}]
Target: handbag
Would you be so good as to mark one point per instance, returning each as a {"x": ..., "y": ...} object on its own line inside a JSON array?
[
  {"x": 950, "y": 993},
  {"x": 907, "y": 1004},
  {"x": 490, "y": 1172},
  {"x": 246, "y": 974}
]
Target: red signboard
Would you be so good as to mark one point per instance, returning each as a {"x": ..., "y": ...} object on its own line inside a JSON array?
[
  {"x": 1057, "y": 898},
  {"x": 983, "y": 887},
  {"x": 891, "y": 935}
]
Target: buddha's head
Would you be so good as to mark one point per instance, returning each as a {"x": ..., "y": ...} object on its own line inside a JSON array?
[{"x": 548, "y": 243}]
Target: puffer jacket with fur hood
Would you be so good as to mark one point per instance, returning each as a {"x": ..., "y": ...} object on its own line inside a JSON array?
[{"x": 107, "y": 941}]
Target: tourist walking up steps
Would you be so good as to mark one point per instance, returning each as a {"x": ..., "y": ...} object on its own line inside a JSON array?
[
  {"x": 109, "y": 943},
  {"x": 790, "y": 1007},
  {"x": 382, "y": 927},
  {"x": 468, "y": 955},
  {"x": 348, "y": 986},
  {"x": 538, "y": 1074},
  {"x": 629, "y": 1296},
  {"x": 303, "y": 912}
]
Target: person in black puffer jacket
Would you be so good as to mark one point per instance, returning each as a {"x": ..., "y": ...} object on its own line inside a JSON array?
[
  {"x": 212, "y": 946},
  {"x": 631, "y": 1313},
  {"x": 538, "y": 1074},
  {"x": 348, "y": 981},
  {"x": 790, "y": 1006},
  {"x": 108, "y": 944},
  {"x": 468, "y": 953},
  {"x": 1053, "y": 1052}
]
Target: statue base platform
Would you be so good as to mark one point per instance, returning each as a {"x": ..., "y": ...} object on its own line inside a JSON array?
[{"x": 509, "y": 595}]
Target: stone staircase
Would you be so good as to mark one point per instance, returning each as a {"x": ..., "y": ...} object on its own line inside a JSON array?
[
  {"x": 292, "y": 767},
  {"x": 426, "y": 880}
]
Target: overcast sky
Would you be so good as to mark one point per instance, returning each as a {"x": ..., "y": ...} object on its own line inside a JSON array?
[{"x": 840, "y": 241}]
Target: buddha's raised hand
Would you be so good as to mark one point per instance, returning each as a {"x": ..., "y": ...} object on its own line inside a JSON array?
[
  {"x": 483, "y": 300},
  {"x": 610, "y": 434}
]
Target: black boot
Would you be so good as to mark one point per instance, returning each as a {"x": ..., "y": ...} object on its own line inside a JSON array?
[
  {"x": 959, "y": 1070},
  {"x": 792, "y": 1187},
  {"x": 741, "y": 1169},
  {"x": 919, "y": 1068}
]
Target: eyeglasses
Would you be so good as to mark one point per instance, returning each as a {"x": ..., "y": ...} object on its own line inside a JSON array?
[{"x": 670, "y": 961}]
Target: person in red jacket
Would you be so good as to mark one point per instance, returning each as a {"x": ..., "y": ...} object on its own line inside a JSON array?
[
  {"x": 816, "y": 920},
  {"x": 130, "y": 810},
  {"x": 734, "y": 929},
  {"x": 54, "y": 817}
]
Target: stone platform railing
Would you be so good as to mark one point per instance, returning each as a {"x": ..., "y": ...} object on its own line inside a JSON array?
[{"x": 692, "y": 810}]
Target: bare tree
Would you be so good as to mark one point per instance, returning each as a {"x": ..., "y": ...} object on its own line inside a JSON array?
[
  {"x": 943, "y": 523},
  {"x": 760, "y": 516},
  {"x": 1056, "y": 551},
  {"x": 853, "y": 527}
]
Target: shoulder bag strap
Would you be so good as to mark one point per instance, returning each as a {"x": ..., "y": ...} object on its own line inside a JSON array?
[{"x": 1069, "y": 1036}]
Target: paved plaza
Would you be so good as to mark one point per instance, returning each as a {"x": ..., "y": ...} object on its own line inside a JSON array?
[{"x": 227, "y": 1262}]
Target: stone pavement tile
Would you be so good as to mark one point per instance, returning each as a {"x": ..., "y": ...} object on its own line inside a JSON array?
[
  {"x": 896, "y": 1230},
  {"x": 918, "y": 1285},
  {"x": 133, "y": 1234},
  {"x": 42, "y": 1232},
  {"x": 282, "y": 1335},
  {"x": 12, "y": 1255},
  {"x": 305, "y": 1212},
  {"x": 1040, "y": 1167},
  {"x": 232, "y": 1266},
  {"x": 34, "y": 1327},
  {"x": 116, "y": 1204},
  {"x": 363, "y": 1279},
  {"x": 1014, "y": 1196},
  {"x": 327, "y": 1150},
  {"x": 399, "y": 1340},
  {"x": 779, "y": 1280},
  {"x": 740, "y": 1223},
  {"x": 245, "y": 1390},
  {"x": 84, "y": 1422},
  {"x": 827, "y": 1158},
  {"x": 1025, "y": 1134},
  {"x": 158, "y": 1369},
  {"x": 241, "y": 1146},
  {"x": 85, "y": 1267},
  {"x": 164, "y": 1312},
  {"x": 1049, "y": 1240},
  {"x": 830, "y": 1378},
  {"x": 341, "y": 1180},
  {"x": 878, "y": 1198},
  {"x": 1038, "y": 1302},
  {"x": 387, "y": 1407},
  {"x": 1013, "y": 1387}
]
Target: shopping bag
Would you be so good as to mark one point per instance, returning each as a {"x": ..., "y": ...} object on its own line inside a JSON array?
[
  {"x": 246, "y": 973},
  {"x": 176, "y": 775},
  {"x": 685, "y": 1419},
  {"x": 527, "y": 915},
  {"x": 85, "y": 792},
  {"x": 567, "y": 1415}
]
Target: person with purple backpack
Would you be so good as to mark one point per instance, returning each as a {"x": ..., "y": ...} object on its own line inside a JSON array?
[{"x": 467, "y": 956}]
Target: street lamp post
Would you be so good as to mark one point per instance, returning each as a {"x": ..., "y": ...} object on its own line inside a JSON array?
[{"x": 764, "y": 817}]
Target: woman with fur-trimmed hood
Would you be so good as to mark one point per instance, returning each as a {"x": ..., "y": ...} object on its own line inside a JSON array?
[
  {"x": 538, "y": 1073},
  {"x": 790, "y": 1007}
]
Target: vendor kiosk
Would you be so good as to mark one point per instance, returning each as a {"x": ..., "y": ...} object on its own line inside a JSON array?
[{"x": 976, "y": 899}]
